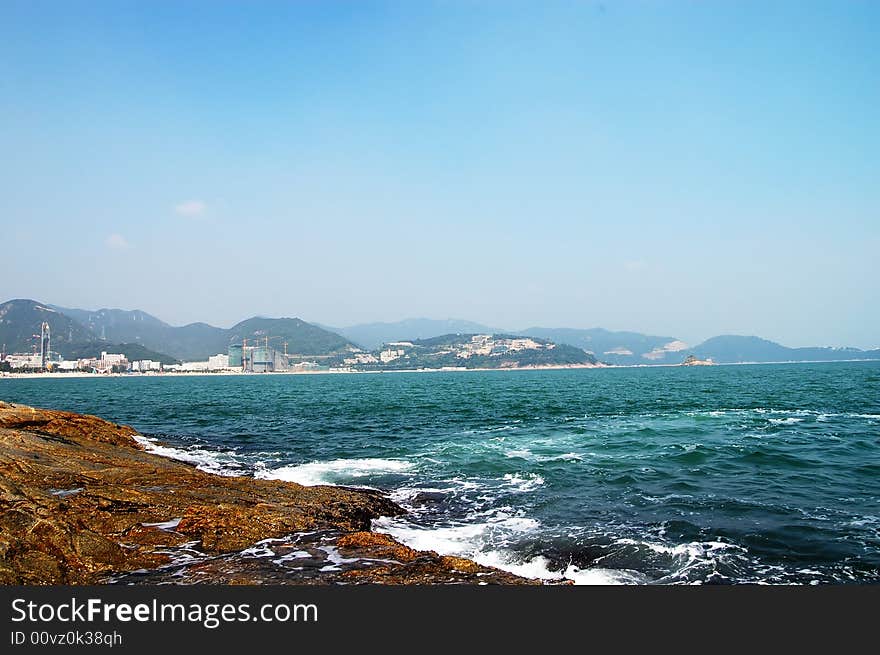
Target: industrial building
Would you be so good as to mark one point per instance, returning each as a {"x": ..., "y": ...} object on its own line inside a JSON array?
[{"x": 258, "y": 356}]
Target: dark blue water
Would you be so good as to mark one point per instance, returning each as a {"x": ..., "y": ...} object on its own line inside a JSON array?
[{"x": 655, "y": 475}]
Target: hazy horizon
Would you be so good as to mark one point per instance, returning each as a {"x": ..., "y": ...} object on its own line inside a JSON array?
[
  {"x": 497, "y": 328},
  {"x": 686, "y": 170}
]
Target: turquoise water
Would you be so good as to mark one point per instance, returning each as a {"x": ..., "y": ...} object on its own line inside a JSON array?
[{"x": 765, "y": 473}]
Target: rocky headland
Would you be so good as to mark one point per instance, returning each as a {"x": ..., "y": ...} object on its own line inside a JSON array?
[{"x": 82, "y": 502}]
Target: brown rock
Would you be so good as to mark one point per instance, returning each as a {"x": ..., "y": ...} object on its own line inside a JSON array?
[
  {"x": 77, "y": 495},
  {"x": 379, "y": 545}
]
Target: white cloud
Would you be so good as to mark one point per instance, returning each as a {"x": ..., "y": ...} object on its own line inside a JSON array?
[
  {"x": 190, "y": 208},
  {"x": 116, "y": 242}
]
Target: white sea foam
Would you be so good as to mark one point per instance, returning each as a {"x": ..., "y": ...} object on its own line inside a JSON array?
[
  {"x": 218, "y": 462},
  {"x": 404, "y": 495},
  {"x": 524, "y": 482},
  {"x": 565, "y": 457},
  {"x": 337, "y": 471},
  {"x": 163, "y": 525},
  {"x": 295, "y": 555},
  {"x": 261, "y": 549},
  {"x": 64, "y": 493},
  {"x": 791, "y": 420},
  {"x": 538, "y": 568},
  {"x": 688, "y": 556},
  {"x": 692, "y": 550},
  {"x": 467, "y": 540},
  {"x": 335, "y": 558},
  {"x": 475, "y": 541},
  {"x": 600, "y": 576},
  {"x": 525, "y": 453}
]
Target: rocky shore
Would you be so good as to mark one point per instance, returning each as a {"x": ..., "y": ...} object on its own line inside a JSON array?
[{"x": 82, "y": 502}]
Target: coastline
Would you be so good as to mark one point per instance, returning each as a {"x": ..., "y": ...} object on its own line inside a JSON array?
[
  {"x": 82, "y": 501},
  {"x": 549, "y": 367},
  {"x": 83, "y": 374}
]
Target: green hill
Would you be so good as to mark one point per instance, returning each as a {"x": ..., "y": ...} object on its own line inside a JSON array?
[
  {"x": 301, "y": 337},
  {"x": 373, "y": 335},
  {"x": 495, "y": 351},
  {"x": 735, "y": 348},
  {"x": 198, "y": 341},
  {"x": 195, "y": 341}
]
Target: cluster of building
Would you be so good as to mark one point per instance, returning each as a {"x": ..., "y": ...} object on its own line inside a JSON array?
[
  {"x": 478, "y": 345},
  {"x": 106, "y": 363},
  {"x": 391, "y": 351},
  {"x": 25, "y": 361},
  {"x": 260, "y": 357},
  {"x": 486, "y": 344},
  {"x": 254, "y": 357},
  {"x": 215, "y": 363},
  {"x": 252, "y": 361}
]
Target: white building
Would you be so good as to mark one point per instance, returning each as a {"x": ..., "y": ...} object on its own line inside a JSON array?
[
  {"x": 193, "y": 366},
  {"x": 145, "y": 365},
  {"x": 218, "y": 362},
  {"x": 361, "y": 358},
  {"x": 112, "y": 359},
  {"x": 24, "y": 361},
  {"x": 306, "y": 366},
  {"x": 390, "y": 355}
]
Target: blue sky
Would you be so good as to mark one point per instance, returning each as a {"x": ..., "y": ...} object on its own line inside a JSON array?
[{"x": 678, "y": 168}]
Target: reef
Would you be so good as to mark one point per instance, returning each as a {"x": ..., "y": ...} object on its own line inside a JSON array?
[{"x": 83, "y": 502}]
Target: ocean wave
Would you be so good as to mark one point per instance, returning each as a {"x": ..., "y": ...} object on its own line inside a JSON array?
[
  {"x": 525, "y": 453},
  {"x": 540, "y": 568},
  {"x": 694, "y": 549},
  {"x": 523, "y": 482},
  {"x": 337, "y": 471},
  {"x": 211, "y": 461},
  {"x": 564, "y": 457},
  {"x": 687, "y": 562},
  {"x": 487, "y": 543},
  {"x": 480, "y": 541}
]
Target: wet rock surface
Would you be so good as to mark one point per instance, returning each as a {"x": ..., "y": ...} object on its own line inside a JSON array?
[
  {"x": 81, "y": 502},
  {"x": 320, "y": 557}
]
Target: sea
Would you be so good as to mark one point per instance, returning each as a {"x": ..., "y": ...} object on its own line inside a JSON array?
[{"x": 765, "y": 474}]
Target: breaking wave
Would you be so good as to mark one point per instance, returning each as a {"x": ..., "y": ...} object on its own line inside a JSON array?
[{"x": 337, "y": 471}]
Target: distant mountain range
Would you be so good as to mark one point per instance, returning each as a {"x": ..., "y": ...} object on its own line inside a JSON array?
[
  {"x": 85, "y": 333},
  {"x": 81, "y": 333},
  {"x": 617, "y": 348}
]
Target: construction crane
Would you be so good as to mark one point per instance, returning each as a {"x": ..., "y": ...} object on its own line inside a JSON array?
[{"x": 268, "y": 339}]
